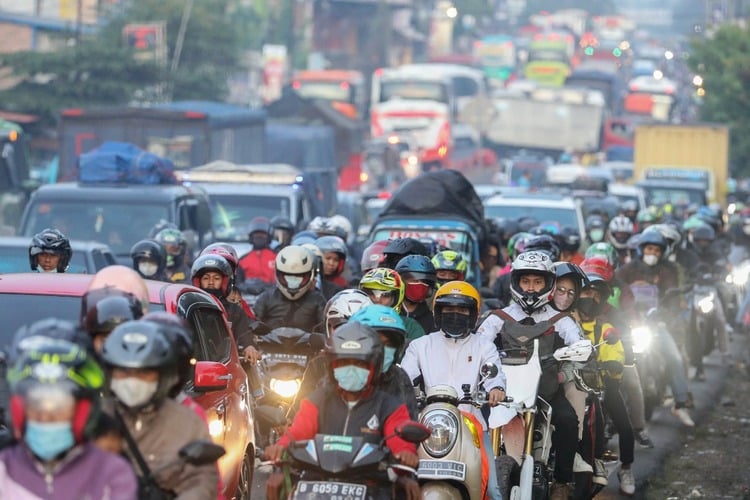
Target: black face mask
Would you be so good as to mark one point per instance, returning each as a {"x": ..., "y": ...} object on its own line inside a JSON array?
[
  {"x": 259, "y": 240},
  {"x": 216, "y": 292},
  {"x": 455, "y": 325},
  {"x": 589, "y": 306}
]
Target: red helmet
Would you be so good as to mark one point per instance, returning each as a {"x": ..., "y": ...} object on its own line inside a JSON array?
[
  {"x": 598, "y": 266},
  {"x": 373, "y": 255}
]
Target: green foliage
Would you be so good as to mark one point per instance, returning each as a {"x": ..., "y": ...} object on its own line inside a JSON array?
[
  {"x": 593, "y": 7},
  {"x": 724, "y": 64}
]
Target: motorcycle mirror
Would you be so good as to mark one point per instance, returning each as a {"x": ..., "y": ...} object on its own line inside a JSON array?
[
  {"x": 201, "y": 452},
  {"x": 413, "y": 432},
  {"x": 611, "y": 336},
  {"x": 488, "y": 370},
  {"x": 317, "y": 341},
  {"x": 273, "y": 415}
]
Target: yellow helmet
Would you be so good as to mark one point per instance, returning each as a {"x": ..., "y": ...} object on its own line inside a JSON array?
[{"x": 461, "y": 294}]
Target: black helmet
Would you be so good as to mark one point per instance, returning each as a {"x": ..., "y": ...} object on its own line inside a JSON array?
[
  {"x": 40, "y": 331},
  {"x": 574, "y": 273},
  {"x": 282, "y": 222},
  {"x": 418, "y": 267},
  {"x": 174, "y": 244},
  {"x": 180, "y": 337},
  {"x": 144, "y": 344},
  {"x": 259, "y": 225},
  {"x": 399, "y": 248},
  {"x": 212, "y": 262},
  {"x": 149, "y": 250},
  {"x": 569, "y": 239},
  {"x": 50, "y": 241},
  {"x": 544, "y": 243},
  {"x": 102, "y": 309},
  {"x": 354, "y": 340}
]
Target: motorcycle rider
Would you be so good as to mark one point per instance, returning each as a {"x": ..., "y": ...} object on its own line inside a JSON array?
[
  {"x": 50, "y": 252},
  {"x": 144, "y": 370},
  {"x": 352, "y": 403},
  {"x": 419, "y": 276},
  {"x": 55, "y": 388},
  {"x": 282, "y": 230},
  {"x": 150, "y": 260},
  {"x": 453, "y": 356},
  {"x": 175, "y": 244},
  {"x": 227, "y": 251},
  {"x": 334, "y": 259},
  {"x": 293, "y": 302},
  {"x": 103, "y": 309},
  {"x": 372, "y": 256},
  {"x": 532, "y": 288},
  {"x": 650, "y": 267},
  {"x": 595, "y": 229},
  {"x": 259, "y": 262},
  {"x": 399, "y": 248},
  {"x": 619, "y": 232},
  {"x": 385, "y": 286},
  {"x": 449, "y": 266},
  {"x": 569, "y": 241}
]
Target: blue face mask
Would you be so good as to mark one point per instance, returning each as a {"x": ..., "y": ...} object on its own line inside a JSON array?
[
  {"x": 389, "y": 354},
  {"x": 48, "y": 439},
  {"x": 351, "y": 378}
]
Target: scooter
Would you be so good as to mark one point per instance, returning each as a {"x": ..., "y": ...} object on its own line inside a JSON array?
[
  {"x": 525, "y": 422},
  {"x": 701, "y": 338},
  {"x": 452, "y": 464}
]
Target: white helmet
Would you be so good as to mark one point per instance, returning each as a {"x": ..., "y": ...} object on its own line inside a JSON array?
[
  {"x": 620, "y": 230},
  {"x": 341, "y": 306},
  {"x": 295, "y": 271},
  {"x": 342, "y": 223},
  {"x": 532, "y": 262}
]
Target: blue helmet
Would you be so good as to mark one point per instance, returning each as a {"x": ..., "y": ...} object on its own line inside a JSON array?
[{"x": 385, "y": 320}]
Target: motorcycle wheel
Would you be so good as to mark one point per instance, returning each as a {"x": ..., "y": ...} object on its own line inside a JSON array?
[
  {"x": 245, "y": 484},
  {"x": 508, "y": 474}
]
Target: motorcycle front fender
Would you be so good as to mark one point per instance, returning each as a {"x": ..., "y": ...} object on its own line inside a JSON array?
[{"x": 440, "y": 490}]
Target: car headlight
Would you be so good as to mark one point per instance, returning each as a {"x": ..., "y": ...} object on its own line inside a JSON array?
[
  {"x": 706, "y": 304},
  {"x": 444, "y": 427},
  {"x": 285, "y": 388},
  {"x": 642, "y": 336}
]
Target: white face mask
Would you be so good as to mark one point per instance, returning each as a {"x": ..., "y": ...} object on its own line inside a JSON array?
[
  {"x": 147, "y": 268},
  {"x": 650, "y": 260},
  {"x": 133, "y": 392},
  {"x": 293, "y": 282}
]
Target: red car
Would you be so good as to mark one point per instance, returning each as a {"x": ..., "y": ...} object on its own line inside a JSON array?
[{"x": 219, "y": 384}]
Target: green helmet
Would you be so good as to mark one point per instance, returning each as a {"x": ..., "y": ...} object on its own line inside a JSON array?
[
  {"x": 692, "y": 223},
  {"x": 603, "y": 249},
  {"x": 449, "y": 260}
]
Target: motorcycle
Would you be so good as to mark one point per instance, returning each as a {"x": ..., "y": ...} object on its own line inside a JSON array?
[
  {"x": 451, "y": 460},
  {"x": 701, "y": 339},
  {"x": 346, "y": 467},
  {"x": 252, "y": 288},
  {"x": 525, "y": 421},
  {"x": 286, "y": 352}
]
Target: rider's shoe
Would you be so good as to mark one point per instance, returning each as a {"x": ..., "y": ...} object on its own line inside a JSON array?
[
  {"x": 580, "y": 465},
  {"x": 560, "y": 491},
  {"x": 627, "y": 481},
  {"x": 683, "y": 415},
  {"x": 600, "y": 473},
  {"x": 644, "y": 439}
]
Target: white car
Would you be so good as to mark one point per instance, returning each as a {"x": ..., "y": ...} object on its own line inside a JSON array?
[{"x": 541, "y": 206}]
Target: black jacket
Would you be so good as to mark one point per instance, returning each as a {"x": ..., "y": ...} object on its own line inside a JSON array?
[
  {"x": 274, "y": 310},
  {"x": 422, "y": 315}
]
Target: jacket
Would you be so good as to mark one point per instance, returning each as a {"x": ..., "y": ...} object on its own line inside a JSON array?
[
  {"x": 240, "y": 323},
  {"x": 275, "y": 310},
  {"x": 374, "y": 417},
  {"x": 610, "y": 357},
  {"x": 422, "y": 315},
  {"x": 440, "y": 360},
  {"x": 259, "y": 264},
  {"x": 85, "y": 473},
  {"x": 159, "y": 435},
  {"x": 566, "y": 328}
]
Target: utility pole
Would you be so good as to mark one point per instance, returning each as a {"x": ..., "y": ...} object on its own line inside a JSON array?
[
  {"x": 186, "y": 11},
  {"x": 79, "y": 20}
]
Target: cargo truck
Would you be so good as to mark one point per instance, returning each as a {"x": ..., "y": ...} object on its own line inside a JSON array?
[{"x": 682, "y": 164}]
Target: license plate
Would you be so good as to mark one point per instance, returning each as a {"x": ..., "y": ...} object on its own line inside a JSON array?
[
  {"x": 441, "y": 469},
  {"x": 329, "y": 491}
]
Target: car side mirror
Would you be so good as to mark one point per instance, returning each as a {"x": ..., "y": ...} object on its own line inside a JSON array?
[
  {"x": 201, "y": 452},
  {"x": 211, "y": 376},
  {"x": 413, "y": 432}
]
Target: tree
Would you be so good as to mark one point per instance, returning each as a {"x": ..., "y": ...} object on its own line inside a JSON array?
[
  {"x": 100, "y": 69},
  {"x": 724, "y": 64}
]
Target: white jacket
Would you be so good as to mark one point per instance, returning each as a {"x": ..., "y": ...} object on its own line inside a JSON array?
[
  {"x": 566, "y": 328},
  {"x": 444, "y": 361}
]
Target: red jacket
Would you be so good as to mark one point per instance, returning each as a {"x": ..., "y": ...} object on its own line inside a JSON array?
[{"x": 259, "y": 264}]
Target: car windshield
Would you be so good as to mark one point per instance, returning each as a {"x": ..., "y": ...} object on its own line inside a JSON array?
[
  {"x": 329, "y": 91},
  {"x": 232, "y": 214},
  {"x": 118, "y": 224},
  {"x": 674, "y": 196},
  {"x": 413, "y": 89},
  {"x": 17, "y": 310},
  {"x": 565, "y": 216},
  {"x": 16, "y": 260}
]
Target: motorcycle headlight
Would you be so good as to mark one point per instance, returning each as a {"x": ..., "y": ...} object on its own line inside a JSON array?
[
  {"x": 642, "y": 336},
  {"x": 738, "y": 276},
  {"x": 285, "y": 388},
  {"x": 444, "y": 427},
  {"x": 706, "y": 304}
]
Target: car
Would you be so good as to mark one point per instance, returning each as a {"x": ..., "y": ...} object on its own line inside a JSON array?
[
  {"x": 118, "y": 214},
  {"x": 626, "y": 192},
  {"x": 88, "y": 256},
  {"x": 548, "y": 207},
  {"x": 219, "y": 383}
]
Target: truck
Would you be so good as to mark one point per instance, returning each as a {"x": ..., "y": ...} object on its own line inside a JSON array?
[
  {"x": 189, "y": 133},
  {"x": 15, "y": 182},
  {"x": 682, "y": 164}
]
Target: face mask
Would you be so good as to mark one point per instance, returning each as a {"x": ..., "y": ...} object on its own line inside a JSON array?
[
  {"x": 650, "y": 260},
  {"x": 147, "y": 268},
  {"x": 47, "y": 440},
  {"x": 259, "y": 241},
  {"x": 216, "y": 292},
  {"x": 416, "y": 292},
  {"x": 351, "y": 378},
  {"x": 596, "y": 235},
  {"x": 589, "y": 306},
  {"x": 293, "y": 282},
  {"x": 389, "y": 354},
  {"x": 133, "y": 392},
  {"x": 455, "y": 324}
]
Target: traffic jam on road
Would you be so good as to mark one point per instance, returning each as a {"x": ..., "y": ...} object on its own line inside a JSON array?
[{"x": 513, "y": 264}]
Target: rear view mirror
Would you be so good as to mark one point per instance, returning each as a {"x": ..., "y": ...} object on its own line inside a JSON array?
[
  {"x": 413, "y": 432},
  {"x": 211, "y": 376},
  {"x": 201, "y": 452},
  {"x": 488, "y": 370}
]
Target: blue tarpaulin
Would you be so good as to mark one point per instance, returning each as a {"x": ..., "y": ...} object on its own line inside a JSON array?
[{"x": 121, "y": 162}]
